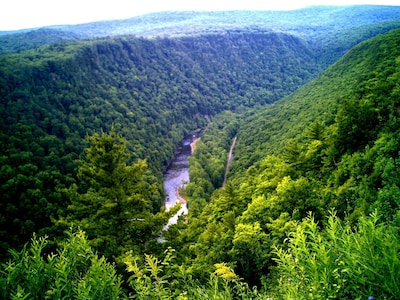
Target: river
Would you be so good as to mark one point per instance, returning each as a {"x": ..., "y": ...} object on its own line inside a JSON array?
[{"x": 177, "y": 174}]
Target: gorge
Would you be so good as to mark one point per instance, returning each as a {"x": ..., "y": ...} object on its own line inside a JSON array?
[{"x": 91, "y": 143}]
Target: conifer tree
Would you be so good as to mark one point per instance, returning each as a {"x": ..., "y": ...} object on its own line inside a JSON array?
[{"x": 113, "y": 201}]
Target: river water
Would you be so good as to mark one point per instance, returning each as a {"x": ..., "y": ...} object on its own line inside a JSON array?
[{"x": 177, "y": 174}]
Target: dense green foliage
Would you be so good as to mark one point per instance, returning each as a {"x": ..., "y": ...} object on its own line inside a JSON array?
[
  {"x": 310, "y": 208},
  {"x": 208, "y": 163},
  {"x": 340, "y": 262},
  {"x": 73, "y": 272},
  {"x": 12, "y": 42},
  {"x": 77, "y": 272},
  {"x": 333, "y": 145},
  {"x": 114, "y": 202},
  {"x": 153, "y": 91}
]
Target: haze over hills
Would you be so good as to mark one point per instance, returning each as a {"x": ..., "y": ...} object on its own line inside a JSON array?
[
  {"x": 312, "y": 23},
  {"x": 189, "y": 23},
  {"x": 169, "y": 24},
  {"x": 91, "y": 114}
]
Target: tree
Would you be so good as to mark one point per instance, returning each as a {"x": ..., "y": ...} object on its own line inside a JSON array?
[
  {"x": 113, "y": 202},
  {"x": 251, "y": 251}
]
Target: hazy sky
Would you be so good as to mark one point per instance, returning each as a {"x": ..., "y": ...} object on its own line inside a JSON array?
[{"x": 18, "y": 14}]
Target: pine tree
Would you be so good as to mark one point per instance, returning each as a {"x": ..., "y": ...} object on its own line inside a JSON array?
[{"x": 113, "y": 201}]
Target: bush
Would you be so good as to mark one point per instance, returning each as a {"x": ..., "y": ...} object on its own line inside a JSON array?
[
  {"x": 340, "y": 262},
  {"x": 74, "y": 272}
]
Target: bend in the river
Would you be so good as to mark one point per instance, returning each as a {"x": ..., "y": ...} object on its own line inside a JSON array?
[{"x": 177, "y": 175}]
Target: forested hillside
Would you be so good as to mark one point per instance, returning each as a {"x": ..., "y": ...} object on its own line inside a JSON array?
[
  {"x": 153, "y": 91},
  {"x": 334, "y": 29},
  {"x": 310, "y": 205}
]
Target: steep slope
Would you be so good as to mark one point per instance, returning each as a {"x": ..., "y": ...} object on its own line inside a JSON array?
[
  {"x": 331, "y": 146},
  {"x": 153, "y": 91},
  {"x": 270, "y": 129}
]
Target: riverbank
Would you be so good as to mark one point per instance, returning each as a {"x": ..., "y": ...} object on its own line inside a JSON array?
[
  {"x": 193, "y": 145},
  {"x": 176, "y": 174},
  {"x": 180, "y": 198},
  {"x": 192, "y": 149}
]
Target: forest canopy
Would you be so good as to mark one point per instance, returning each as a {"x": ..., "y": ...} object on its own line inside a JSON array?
[
  {"x": 308, "y": 207},
  {"x": 153, "y": 91}
]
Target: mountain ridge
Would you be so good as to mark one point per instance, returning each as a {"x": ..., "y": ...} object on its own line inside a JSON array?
[
  {"x": 328, "y": 15},
  {"x": 308, "y": 23}
]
